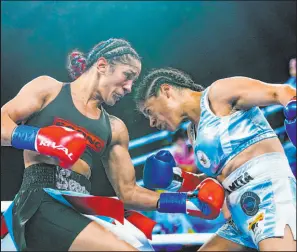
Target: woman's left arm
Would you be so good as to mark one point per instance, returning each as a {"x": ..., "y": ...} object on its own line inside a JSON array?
[
  {"x": 244, "y": 93},
  {"x": 120, "y": 171}
]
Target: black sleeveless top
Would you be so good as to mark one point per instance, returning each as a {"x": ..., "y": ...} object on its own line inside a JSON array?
[{"x": 62, "y": 112}]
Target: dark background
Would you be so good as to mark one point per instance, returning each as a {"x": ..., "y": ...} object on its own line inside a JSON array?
[{"x": 209, "y": 40}]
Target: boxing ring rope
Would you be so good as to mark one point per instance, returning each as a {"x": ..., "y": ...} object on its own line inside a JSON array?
[{"x": 180, "y": 239}]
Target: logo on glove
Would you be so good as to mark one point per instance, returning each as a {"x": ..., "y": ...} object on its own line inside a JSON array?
[
  {"x": 203, "y": 159},
  {"x": 47, "y": 143}
]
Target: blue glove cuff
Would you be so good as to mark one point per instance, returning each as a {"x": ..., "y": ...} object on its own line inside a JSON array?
[
  {"x": 23, "y": 137},
  {"x": 172, "y": 203}
]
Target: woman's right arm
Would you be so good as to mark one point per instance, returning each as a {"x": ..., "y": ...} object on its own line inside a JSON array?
[{"x": 29, "y": 100}]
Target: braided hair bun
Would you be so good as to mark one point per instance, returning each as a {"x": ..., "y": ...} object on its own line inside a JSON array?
[{"x": 76, "y": 64}]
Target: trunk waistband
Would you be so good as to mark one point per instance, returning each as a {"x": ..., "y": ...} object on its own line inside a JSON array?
[
  {"x": 53, "y": 176},
  {"x": 263, "y": 166}
]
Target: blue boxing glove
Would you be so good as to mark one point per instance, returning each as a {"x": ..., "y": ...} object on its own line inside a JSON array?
[
  {"x": 290, "y": 121},
  {"x": 158, "y": 170}
]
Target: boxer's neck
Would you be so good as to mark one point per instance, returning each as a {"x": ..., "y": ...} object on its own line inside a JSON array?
[
  {"x": 191, "y": 105},
  {"x": 85, "y": 89}
]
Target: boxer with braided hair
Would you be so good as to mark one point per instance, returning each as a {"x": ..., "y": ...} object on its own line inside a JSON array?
[
  {"x": 62, "y": 128},
  {"x": 232, "y": 142}
]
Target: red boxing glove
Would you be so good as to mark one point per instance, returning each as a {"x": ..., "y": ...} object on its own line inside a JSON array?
[
  {"x": 190, "y": 181},
  {"x": 207, "y": 200},
  {"x": 183, "y": 181},
  {"x": 63, "y": 143}
]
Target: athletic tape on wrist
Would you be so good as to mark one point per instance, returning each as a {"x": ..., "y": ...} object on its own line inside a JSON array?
[{"x": 172, "y": 203}]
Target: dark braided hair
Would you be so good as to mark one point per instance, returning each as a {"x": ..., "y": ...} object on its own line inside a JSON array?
[
  {"x": 113, "y": 50},
  {"x": 150, "y": 85}
]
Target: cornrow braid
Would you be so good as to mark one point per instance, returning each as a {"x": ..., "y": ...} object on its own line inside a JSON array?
[
  {"x": 150, "y": 85},
  {"x": 110, "y": 45},
  {"x": 113, "y": 50},
  {"x": 110, "y": 49}
]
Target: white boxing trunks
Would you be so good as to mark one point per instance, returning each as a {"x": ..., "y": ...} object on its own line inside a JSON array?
[{"x": 262, "y": 200}]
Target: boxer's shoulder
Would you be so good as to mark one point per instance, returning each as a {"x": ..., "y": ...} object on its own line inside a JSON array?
[
  {"x": 44, "y": 81},
  {"x": 43, "y": 85},
  {"x": 119, "y": 130},
  {"x": 39, "y": 90},
  {"x": 117, "y": 124}
]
